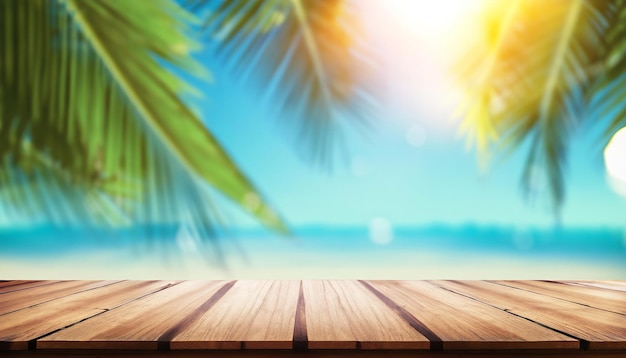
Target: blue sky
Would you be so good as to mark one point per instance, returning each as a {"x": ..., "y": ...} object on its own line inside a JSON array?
[{"x": 435, "y": 180}]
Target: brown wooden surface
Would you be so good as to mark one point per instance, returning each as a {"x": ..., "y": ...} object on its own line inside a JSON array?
[
  {"x": 609, "y": 285},
  {"x": 20, "y": 327},
  {"x": 314, "y": 318},
  {"x": 139, "y": 324},
  {"x": 470, "y": 324},
  {"x": 315, "y": 353},
  {"x": 609, "y": 300},
  {"x": 601, "y": 329},
  {"x": 10, "y": 286},
  {"x": 251, "y": 315},
  {"x": 18, "y": 299},
  {"x": 341, "y": 313}
]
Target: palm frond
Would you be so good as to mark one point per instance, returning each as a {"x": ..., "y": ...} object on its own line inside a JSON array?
[
  {"x": 38, "y": 190},
  {"x": 608, "y": 98},
  {"x": 550, "y": 50},
  {"x": 227, "y": 19},
  {"x": 479, "y": 70},
  {"x": 303, "y": 55},
  {"x": 83, "y": 83}
]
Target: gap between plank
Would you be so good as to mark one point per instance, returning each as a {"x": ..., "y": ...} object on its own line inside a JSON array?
[
  {"x": 558, "y": 298},
  {"x": 32, "y": 344},
  {"x": 586, "y": 285},
  {"x": 584, "y": 344},
  {"x": 436, "y": 344},
  {"x": 57, "y": 298},
  {"x": 300, "y": 335},
  {"x": 163, "y": 343},
  {"x": 15, "y": 287}
]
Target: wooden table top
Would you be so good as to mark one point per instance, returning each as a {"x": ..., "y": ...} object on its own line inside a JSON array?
[{"x": 313, "y": 317}]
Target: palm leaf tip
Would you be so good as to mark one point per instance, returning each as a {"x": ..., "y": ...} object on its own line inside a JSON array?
[
  {"x": 311, "y": 72},
  {"x": 539, "y": 67}
]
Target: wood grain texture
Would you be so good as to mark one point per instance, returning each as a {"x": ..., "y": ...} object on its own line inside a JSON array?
[
  {"x": 19, "y": 299},
  {"x": 315, "y": 318},
  {"x": 601, "y": 329},
  {"x": 266, "y": 353},
  {"x": 609, "y": 300},
  {"x": 435, "y": 341},
  {"x": 340, "y": 314},
  {"x": 10, "y": 286},
  {"x": 609, "y": 285},
  {"x": 20, "y": 327},
  {"x": 466, "y": 324},
  {"x": 139, "y": 324},
  {"x": 252, "y": 315}
]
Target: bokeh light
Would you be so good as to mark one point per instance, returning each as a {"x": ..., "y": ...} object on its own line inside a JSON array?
[{"x": 381, "y": 231}]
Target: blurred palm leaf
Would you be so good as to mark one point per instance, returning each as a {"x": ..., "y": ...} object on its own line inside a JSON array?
[
  {"x": 541, "y": 62},
  {"x": 86, "y": 92},
  {"x": 480, "y": 69},
  {"x": 303, "y": 54},
  {"x": 608, "y": 98}
]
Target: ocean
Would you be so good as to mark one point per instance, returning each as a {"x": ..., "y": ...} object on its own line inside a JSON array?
[{"x": 436, "y": 251}]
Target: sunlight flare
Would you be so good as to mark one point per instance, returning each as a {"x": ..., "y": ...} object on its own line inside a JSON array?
[
  {"x": 615, "y": 161},
  {"x": 429, "y": 16}
]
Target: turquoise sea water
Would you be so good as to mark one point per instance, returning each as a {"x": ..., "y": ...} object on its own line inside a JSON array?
[{"x": 429, "y": 252}]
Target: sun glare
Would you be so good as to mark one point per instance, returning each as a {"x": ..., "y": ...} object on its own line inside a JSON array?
[
  {"x": 420, "y": 42},
  {"x": 431, "y": 17},
  {"x": 615, "y": 162}
]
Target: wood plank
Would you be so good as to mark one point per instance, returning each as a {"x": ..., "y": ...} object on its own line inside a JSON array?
[
  {"x": 138, "y": 325},
  {"x": 466, "y": 324},
  {"x": 310, "y": 354},
  {"x": 10, "y": 286},
  {"x": 8, "y": 283},
  {"x": 20, "y": 327},
  {"x": 261, "y": 316},
  {"x": 252, "y": 315},
  {"x": 609, "y": 300},
  {"x": 621, "y": 283},
  {"x": 601, "y": 329},
  {"x": 340, "y": 314},
  {"x": 13, "y": 301},
  {"x": 609, "y": 285}
]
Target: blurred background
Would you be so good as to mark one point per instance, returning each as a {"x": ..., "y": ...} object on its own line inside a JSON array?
[{"x": 292, "y": 139}]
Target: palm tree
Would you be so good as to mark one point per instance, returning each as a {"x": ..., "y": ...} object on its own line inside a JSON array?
[
  {"x": 95, "y": 129},
  {"x": 542, "y": 71}
]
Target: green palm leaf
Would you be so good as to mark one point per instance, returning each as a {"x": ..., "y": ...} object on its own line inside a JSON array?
[
  {"x": 481, "y": 70},
  {"x": 608, "y": 99},
  {"x": 84, "y": 84},
  {"x": 303, "y": 55},
  {"x": 547, "y": 52}
]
